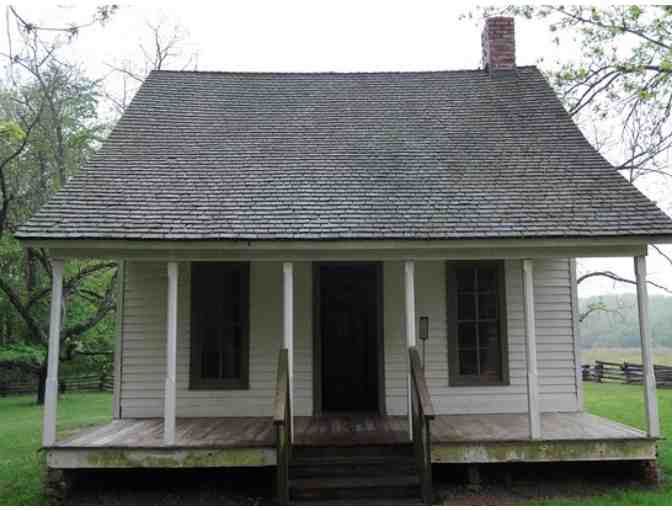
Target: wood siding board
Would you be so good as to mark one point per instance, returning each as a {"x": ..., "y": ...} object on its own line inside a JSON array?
[{"x": 144, "y": 329}]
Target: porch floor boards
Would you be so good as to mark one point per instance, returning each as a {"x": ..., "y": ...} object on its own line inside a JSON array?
[{"x": 250, "y": 432}]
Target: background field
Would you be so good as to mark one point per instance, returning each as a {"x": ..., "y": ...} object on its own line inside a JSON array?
[
  {"x": 662, "y": 356},
  {"x": 624, "y": 403}
]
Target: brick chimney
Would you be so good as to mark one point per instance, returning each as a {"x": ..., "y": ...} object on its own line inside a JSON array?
[{"x": 499, "y": 44}]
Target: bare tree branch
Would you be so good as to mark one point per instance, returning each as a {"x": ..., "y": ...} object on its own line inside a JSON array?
[
  {"x": 71, "y": 285},
  {"x": 101, "y": 15},
  {"x": 617, "y": 278},
  {"x": 31, "y": 323},
  {"x": 598, "y": 307},
  {"x": 106, "y": 305},
  {"x": 6, "y": 197},
  {"x": 162, "y": 51},
  {"x": 662, "y": 253}
]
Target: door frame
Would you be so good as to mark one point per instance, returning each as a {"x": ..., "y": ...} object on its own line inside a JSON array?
[{"x": 317, "y": 334}]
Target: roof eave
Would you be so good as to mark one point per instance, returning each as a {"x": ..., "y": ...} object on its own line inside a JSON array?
[{"x": 606, "y": 246}]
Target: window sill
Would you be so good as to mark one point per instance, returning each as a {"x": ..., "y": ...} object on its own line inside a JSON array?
[
  {"x": 475, "y": 384},
  {"x": 206, "y": 386}
]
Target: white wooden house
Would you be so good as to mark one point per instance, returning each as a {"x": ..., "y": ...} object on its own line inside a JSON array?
[{"x": 312, "y": 263}]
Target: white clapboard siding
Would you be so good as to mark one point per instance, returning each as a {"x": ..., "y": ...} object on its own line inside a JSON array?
[
  {"x": 144, "y": 356},
  {"x": 143, "y": 369},
  {"x": 555, "y": 347}
]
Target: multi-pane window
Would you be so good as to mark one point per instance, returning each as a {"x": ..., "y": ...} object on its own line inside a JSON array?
[
  {"x": 476, "y": 314},
  {"x": 219, "y": 325}
]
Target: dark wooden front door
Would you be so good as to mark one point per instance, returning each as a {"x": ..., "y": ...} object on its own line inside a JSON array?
[{"x": 349, "y": 337}]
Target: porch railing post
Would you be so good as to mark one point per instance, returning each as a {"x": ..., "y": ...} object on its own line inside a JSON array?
[
  {"x": 409, "y": 288},
  {"x": 648, "y": 372},
  {"x": 170, "y": 395},
  {"x": 288, "y": 333},
  {"x": 534, "y": 415},
  {"x": 51, "y": 386}
]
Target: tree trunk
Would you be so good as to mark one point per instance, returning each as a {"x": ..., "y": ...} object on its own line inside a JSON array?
[
  {"x": 29, "y": 271},
  {"x": 41, "y": 384}
]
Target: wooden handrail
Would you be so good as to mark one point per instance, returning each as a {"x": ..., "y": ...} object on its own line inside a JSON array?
[
  {"x": 282, "y": 413},
  {"x": 422, "y": 414},
  {"x": 420, "y": 384}
]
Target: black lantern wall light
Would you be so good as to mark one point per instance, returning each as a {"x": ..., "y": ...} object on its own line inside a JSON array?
[{"x": 423, "y": 333}]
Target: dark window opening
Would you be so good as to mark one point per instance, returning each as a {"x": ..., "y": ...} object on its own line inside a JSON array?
[
  {"x": 219, "y": 325},
  {"x": 477, "y": 347}
]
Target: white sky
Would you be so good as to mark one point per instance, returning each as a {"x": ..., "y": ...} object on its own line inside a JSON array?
[{"x": 342, "y": 35}]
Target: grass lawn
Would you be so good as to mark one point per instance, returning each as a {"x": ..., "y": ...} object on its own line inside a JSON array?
[
  {"x": 625, "y": 404},
  {"x": 21, "y": 464}
]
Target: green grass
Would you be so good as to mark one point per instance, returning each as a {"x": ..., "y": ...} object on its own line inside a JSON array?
[
  {"x": 21, "y": 464},
  {"x": 625, "y": 404}
]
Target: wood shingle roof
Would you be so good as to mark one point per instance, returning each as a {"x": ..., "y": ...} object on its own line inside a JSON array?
[{"x": 421, "y": 155}]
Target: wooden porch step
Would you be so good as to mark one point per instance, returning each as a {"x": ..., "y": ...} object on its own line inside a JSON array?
[
  {"x": 345, "y": 470},
  {"x": 381, "y": 482},
  {"x": 373, "y": 472},
  {"x": 300, "y": 453},
  {"x": 348, "y": 461},
  {"x": 371, "y": 488}
]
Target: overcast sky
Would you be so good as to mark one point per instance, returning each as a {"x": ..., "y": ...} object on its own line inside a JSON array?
[{"x": 343, "y": 36}]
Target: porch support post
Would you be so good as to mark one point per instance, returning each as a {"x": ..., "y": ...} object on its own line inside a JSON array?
[
  {"x": 288, "y": 332},
  {"x": 575, "y": 334},
  {"x": 534, "y": 415},
  {"x": 409, "y": 287},
  {"x": 652, "y": 420},
  {"x": 51, "y": 386},
  {"x": 171, "y": 357}
]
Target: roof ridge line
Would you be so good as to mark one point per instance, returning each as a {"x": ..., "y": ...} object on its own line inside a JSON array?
[{"x": 323, "y": 73}]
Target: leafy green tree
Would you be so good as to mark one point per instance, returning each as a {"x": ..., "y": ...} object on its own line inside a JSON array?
[
  {"x": 623, "y": 74},
  {"x": 620, "y": 76},
  {"x": 50, "y": 127}
]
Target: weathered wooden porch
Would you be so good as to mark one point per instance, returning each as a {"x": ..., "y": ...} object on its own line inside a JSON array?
[
  {"x": 417, "y": 440},
  {"x": 251, "y": 441}
]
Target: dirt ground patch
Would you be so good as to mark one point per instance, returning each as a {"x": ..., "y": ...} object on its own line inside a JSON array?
[
  {"x": 511, "y": 484},
  {"x": 524, "y": 484},
  {"x": 174, "y": 487}
]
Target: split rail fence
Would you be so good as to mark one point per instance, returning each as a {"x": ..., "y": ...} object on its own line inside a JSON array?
[
  {"x": 94, "y": 382},
  {"x": 625, "y": 373}
]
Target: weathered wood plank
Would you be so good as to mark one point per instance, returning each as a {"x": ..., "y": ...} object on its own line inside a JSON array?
[
  {"x": 544, "y": 451},
  {"x": 281, "y": 387},
  {"x": 420, "y": 383},
  {"x": 119, "y": 458},
  {"x": 347, "y": 430},
  {"x": 514, "y": 427}
]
